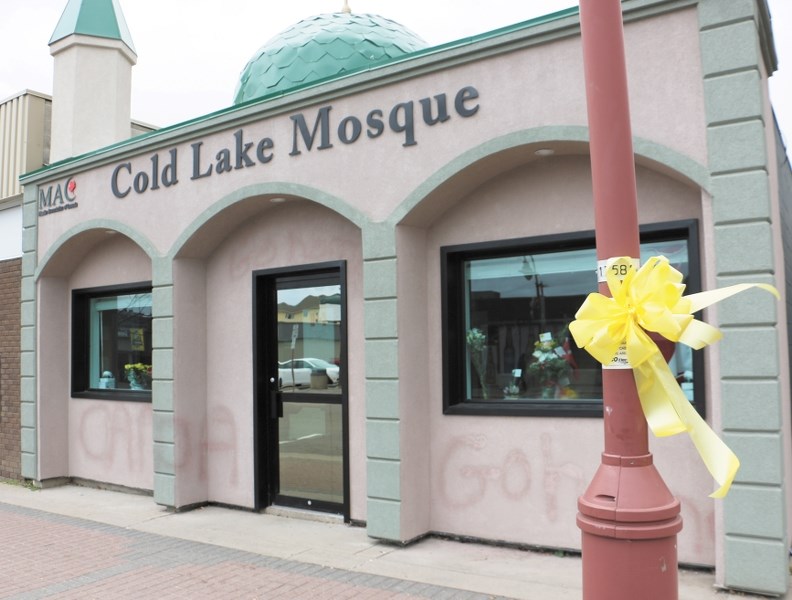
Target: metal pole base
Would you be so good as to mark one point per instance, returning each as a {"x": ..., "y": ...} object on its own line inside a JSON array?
[{"x": 629, "y": 521}]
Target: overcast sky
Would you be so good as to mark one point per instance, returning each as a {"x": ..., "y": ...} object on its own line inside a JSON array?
[{"x": 190, "y": 52}]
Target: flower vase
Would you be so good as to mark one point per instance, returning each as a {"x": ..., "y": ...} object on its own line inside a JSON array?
[
  {"x": 548, "y": 391},
  {"x": 480, "y": 365},
  {"x": 136, "y": 380}
]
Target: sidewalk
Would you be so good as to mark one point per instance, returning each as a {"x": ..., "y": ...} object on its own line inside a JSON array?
[{"x": 144, "y": 551}]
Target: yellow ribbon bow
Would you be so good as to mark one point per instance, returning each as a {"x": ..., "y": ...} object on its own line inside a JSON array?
[{"x": 650, "y": 299}]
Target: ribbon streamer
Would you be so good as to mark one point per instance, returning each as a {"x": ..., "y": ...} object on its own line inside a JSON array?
[{"x": 650, "y": 299}]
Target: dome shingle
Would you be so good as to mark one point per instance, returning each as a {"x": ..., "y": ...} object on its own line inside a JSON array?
[{"x": 323, "y": 47}]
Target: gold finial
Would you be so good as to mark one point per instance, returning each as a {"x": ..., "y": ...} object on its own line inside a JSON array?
[{"x": 346, "y": 8}]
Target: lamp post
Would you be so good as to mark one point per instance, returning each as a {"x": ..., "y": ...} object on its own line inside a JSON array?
[
  {"x": 530, "y": 272},
  {"x": 628, "y": 517}
]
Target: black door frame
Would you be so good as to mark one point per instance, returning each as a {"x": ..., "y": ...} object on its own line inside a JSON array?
[{"x": 265, "y": 336}]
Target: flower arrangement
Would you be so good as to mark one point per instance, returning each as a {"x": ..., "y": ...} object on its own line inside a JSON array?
[
  {"x": 550, "y": 366},
  {"x": 138, "y": 375},
  {"x": 477, "y": 346}
]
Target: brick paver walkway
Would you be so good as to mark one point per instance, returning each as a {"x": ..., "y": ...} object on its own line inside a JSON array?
[{"x": 43, "y": 555}]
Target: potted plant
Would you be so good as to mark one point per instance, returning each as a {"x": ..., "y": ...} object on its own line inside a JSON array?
[
  {"x": 138, "y": 375},
  {"x": 511, "y": 391}
]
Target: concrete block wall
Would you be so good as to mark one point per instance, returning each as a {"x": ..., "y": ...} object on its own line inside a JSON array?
[
  {"x": 27, "y": 368},
  {"x": 383, "y": 426},
  {"x": 162, "y": 384},
  {"x": 734, "y": 61}
]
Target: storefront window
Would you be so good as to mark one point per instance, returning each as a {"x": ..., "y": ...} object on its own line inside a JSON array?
[
  {"x": 507, "y": 305},
  {"x": 112, "y": 343}
]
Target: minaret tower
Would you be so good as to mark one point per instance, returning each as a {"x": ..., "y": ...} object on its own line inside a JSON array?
[{"x": 92, "y": 85}]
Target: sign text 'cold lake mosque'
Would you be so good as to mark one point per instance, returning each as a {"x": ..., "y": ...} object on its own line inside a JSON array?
[{"x": 319, "y": 131}]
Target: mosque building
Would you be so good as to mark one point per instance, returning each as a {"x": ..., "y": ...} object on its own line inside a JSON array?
[{"x": 349, "y": 292}]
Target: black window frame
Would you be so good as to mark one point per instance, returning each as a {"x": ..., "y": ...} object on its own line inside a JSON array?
[
  {"x": 453, "y": 315},
  {"x": 80, "y": 346}
]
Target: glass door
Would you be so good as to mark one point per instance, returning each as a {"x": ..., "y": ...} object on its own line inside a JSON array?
[{"x": 301, "y": 350}]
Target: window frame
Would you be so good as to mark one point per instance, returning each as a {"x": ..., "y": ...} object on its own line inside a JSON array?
[
  {"x": 453, "y": 317},
  {"x": 80, "y": 338}
]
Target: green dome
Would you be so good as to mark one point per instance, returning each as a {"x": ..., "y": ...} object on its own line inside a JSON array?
[{"x": 323, "y": 47}]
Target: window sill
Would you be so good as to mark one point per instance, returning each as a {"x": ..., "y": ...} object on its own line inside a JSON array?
[
  {"x": 535, "y": 408},
  {"x": 124, "y": 395}
]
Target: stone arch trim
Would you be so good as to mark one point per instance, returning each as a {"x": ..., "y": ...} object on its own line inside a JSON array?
[
  {"x": 166, "y": 488},
  {"x": 142, "y": 241},
  {"x": 273, "y": 188},
  {"x": 647, "y": 153},
  {"x": 33, "y": 270}
]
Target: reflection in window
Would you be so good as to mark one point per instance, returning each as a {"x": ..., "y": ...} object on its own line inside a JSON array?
[
  {"x": 310, "y": 451},
  {"x": 309, "y": 338},
  {"x": 112, "y": 341},
  {"x": 508, "y": 307}
]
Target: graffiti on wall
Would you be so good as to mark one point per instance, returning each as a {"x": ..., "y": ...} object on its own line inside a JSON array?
[
  {"x": 197, "y": 446},
  {"x": 116, "y": 439},
  {"x": 471, "y": 473},
  {"x": 111, "y": 436}
]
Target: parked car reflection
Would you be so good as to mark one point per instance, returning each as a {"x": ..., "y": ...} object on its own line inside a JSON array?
[{"x": 297, "y": 372}]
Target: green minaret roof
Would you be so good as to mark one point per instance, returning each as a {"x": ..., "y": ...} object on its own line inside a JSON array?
[{"x": 97, "y": 18}]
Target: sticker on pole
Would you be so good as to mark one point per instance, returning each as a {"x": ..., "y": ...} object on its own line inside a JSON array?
[
  {"x": 618, "y": 266},
  {"x": 620, "y": 360}
]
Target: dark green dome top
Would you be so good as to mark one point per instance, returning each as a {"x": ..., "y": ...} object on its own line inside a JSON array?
[{"x": 323, "y": 47}]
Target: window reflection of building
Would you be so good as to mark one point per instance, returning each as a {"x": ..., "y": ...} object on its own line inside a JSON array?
[
  {"x": 317, "y": 317},
  {"x": 508, "y": 302}
]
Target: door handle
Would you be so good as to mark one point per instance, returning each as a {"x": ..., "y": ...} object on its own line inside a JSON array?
[
  {"x": 277, "y": 405},
  {"x": 276, "y": 400}
]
